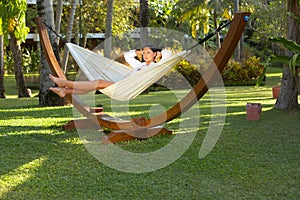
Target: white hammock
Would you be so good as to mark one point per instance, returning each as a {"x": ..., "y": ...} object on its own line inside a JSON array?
[{"x": 97, "y": 67}]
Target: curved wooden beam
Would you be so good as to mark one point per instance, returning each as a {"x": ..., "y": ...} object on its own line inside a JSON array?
[
  {"x": 209, "y": 77},
  {"x": 219, "y": 62}
]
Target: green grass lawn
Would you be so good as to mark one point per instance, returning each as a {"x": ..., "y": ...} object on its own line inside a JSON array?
[{"x": 251, "y": 159}]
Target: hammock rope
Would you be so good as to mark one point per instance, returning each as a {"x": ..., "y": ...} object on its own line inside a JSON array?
[
  {"x": 210, "y": 35},
  {"x": 58, "y": 35}
]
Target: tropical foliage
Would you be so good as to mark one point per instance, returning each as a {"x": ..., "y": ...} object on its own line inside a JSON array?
[
  {"x": 246, "y": 72},
  {"x": 268, "y": 19},
  {"x": 161, "y": 12},
  {"x": 184, "y": 74},
  {"x": 30, "y": 60},
  {"x": 94, "y": 13},
  {"x": 13, "y": 18},
  {"x": 13, "y": 24},
  {"x": 292, "y": 61}
]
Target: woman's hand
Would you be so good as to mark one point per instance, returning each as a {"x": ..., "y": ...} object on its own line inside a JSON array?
[
  {"x": 138, "y": 52},
  {"x": 158, "y": 56}
]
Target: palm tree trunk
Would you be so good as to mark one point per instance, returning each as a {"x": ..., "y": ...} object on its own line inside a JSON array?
[
  {"x": 46, "y": 98},
  {"x": 59, "y": 7},
  {"x": 144, "y": 20},
  {"x": 108, "y": 29},
  {"x": 288, "y": 98},
  {"x": 17, "y": 56},
  {"x": 298, "y": 77},
  {"x": 69, "y": 35},
  {"x": 2, "y": 90},
  {"x": 218, "y": 40},
  {"x": 238, "y": 47}
]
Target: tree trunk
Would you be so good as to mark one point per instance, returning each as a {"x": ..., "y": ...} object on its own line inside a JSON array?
[
  {"x": 80, "y": 24},
  {"x": 238, "y": 47},
  {"x": 144, "y": 20},
  {"x": 298, "y": 75},
  {"x": 288, "y": 98},
  {"x": 59, "y": 7},
  {"x": 47, "y": 98},
  {"x": 69, "y": 35},
  {"x": 2, "y": 89},
  {"x": 108, "y": 29},
  {"x": 218, "y": 41},
  {"x": 15, "y": 47},
  {"x": 77, "y": 32}
]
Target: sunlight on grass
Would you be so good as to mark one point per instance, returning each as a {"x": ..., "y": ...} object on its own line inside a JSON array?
[
  {"x": 20, "y": 175},
  {"x": 275, "y": 75},
  {"x": 72, "y": 141},
  {"x": 251, "y": 159}
]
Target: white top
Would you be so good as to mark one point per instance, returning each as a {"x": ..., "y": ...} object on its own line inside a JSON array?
[{"x": 137, "y": 65}]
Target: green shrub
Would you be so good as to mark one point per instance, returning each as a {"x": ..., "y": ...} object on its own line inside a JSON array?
[
  {"x": 32, "y": 81},
  {"x": 253, "y": 66},
  {"x": 188, "y": 71},
  {"x": 241, "y": 73},
  {"x": 8, "y": 62},
  {"x": 30, "y": 61},
  {"x": 246, "y": 72},
  {"x": 182, "y": 72},
  {"x": 234, "y": 72}
]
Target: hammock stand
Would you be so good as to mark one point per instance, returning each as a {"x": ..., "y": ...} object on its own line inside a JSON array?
[{"x": 139, "y": 127}]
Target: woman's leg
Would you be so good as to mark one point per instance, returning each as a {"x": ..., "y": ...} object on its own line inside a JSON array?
[
  {"x": 81, "y": 85},
  {"x": 62, "y": 92}
]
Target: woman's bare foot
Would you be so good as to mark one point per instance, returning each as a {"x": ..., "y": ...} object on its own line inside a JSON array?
[
  {"x": 59, "y": 91},
  {"x": 58, "y": 81}
]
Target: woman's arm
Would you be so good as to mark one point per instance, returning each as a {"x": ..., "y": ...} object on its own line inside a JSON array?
[
  {"x": 130, "y": 58},
  {"x": 163, "y": 54},
  {"x": 166, "y": 53}
]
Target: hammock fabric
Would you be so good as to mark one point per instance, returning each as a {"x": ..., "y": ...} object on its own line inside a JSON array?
[{"x": 126, "y": 87}]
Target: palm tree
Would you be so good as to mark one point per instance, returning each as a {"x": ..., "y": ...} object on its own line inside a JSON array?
[
  {"x": 239, "y": 46},
  {"x": 144, "y": 20},
  {"x": 108, "y": 29},
  {"x": 2, "y": 90},
  {"x": 59, "y": 7},
  {"x": 288, "y": 98},
  {"x": 12, "y": 15},
  {"x": 46, "y": 98},
  {"x": 198, "y": 12},
  {"x": 15, "y": 47},
  {"x": 69, "y": 34}
]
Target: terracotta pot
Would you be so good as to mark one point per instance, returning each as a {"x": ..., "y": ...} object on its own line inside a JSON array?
[
  {"x": 275, "y": 91},
  {"x": 253, "y": 111}
]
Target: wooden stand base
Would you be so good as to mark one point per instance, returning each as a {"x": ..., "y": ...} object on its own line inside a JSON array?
[
  {"x": 83, "y": 123},
  {"x": 118, "y": 135},
  {"x": 121, "y": 135}
]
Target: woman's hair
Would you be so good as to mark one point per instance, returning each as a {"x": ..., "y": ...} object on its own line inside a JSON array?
[{"x": 154, "y": 49}]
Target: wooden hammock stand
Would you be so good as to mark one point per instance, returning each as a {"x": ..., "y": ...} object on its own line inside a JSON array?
[{"x": 140, "y": 127}]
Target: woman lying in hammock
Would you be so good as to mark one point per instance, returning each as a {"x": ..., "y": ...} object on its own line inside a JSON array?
[{"x": 149, "y": 54}]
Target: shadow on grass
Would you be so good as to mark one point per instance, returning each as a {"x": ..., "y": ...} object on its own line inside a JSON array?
[
  {"x": 21, "y": 113},
  {"x": 45, "y": 164},
  {"x": 251, "y": 160}
]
